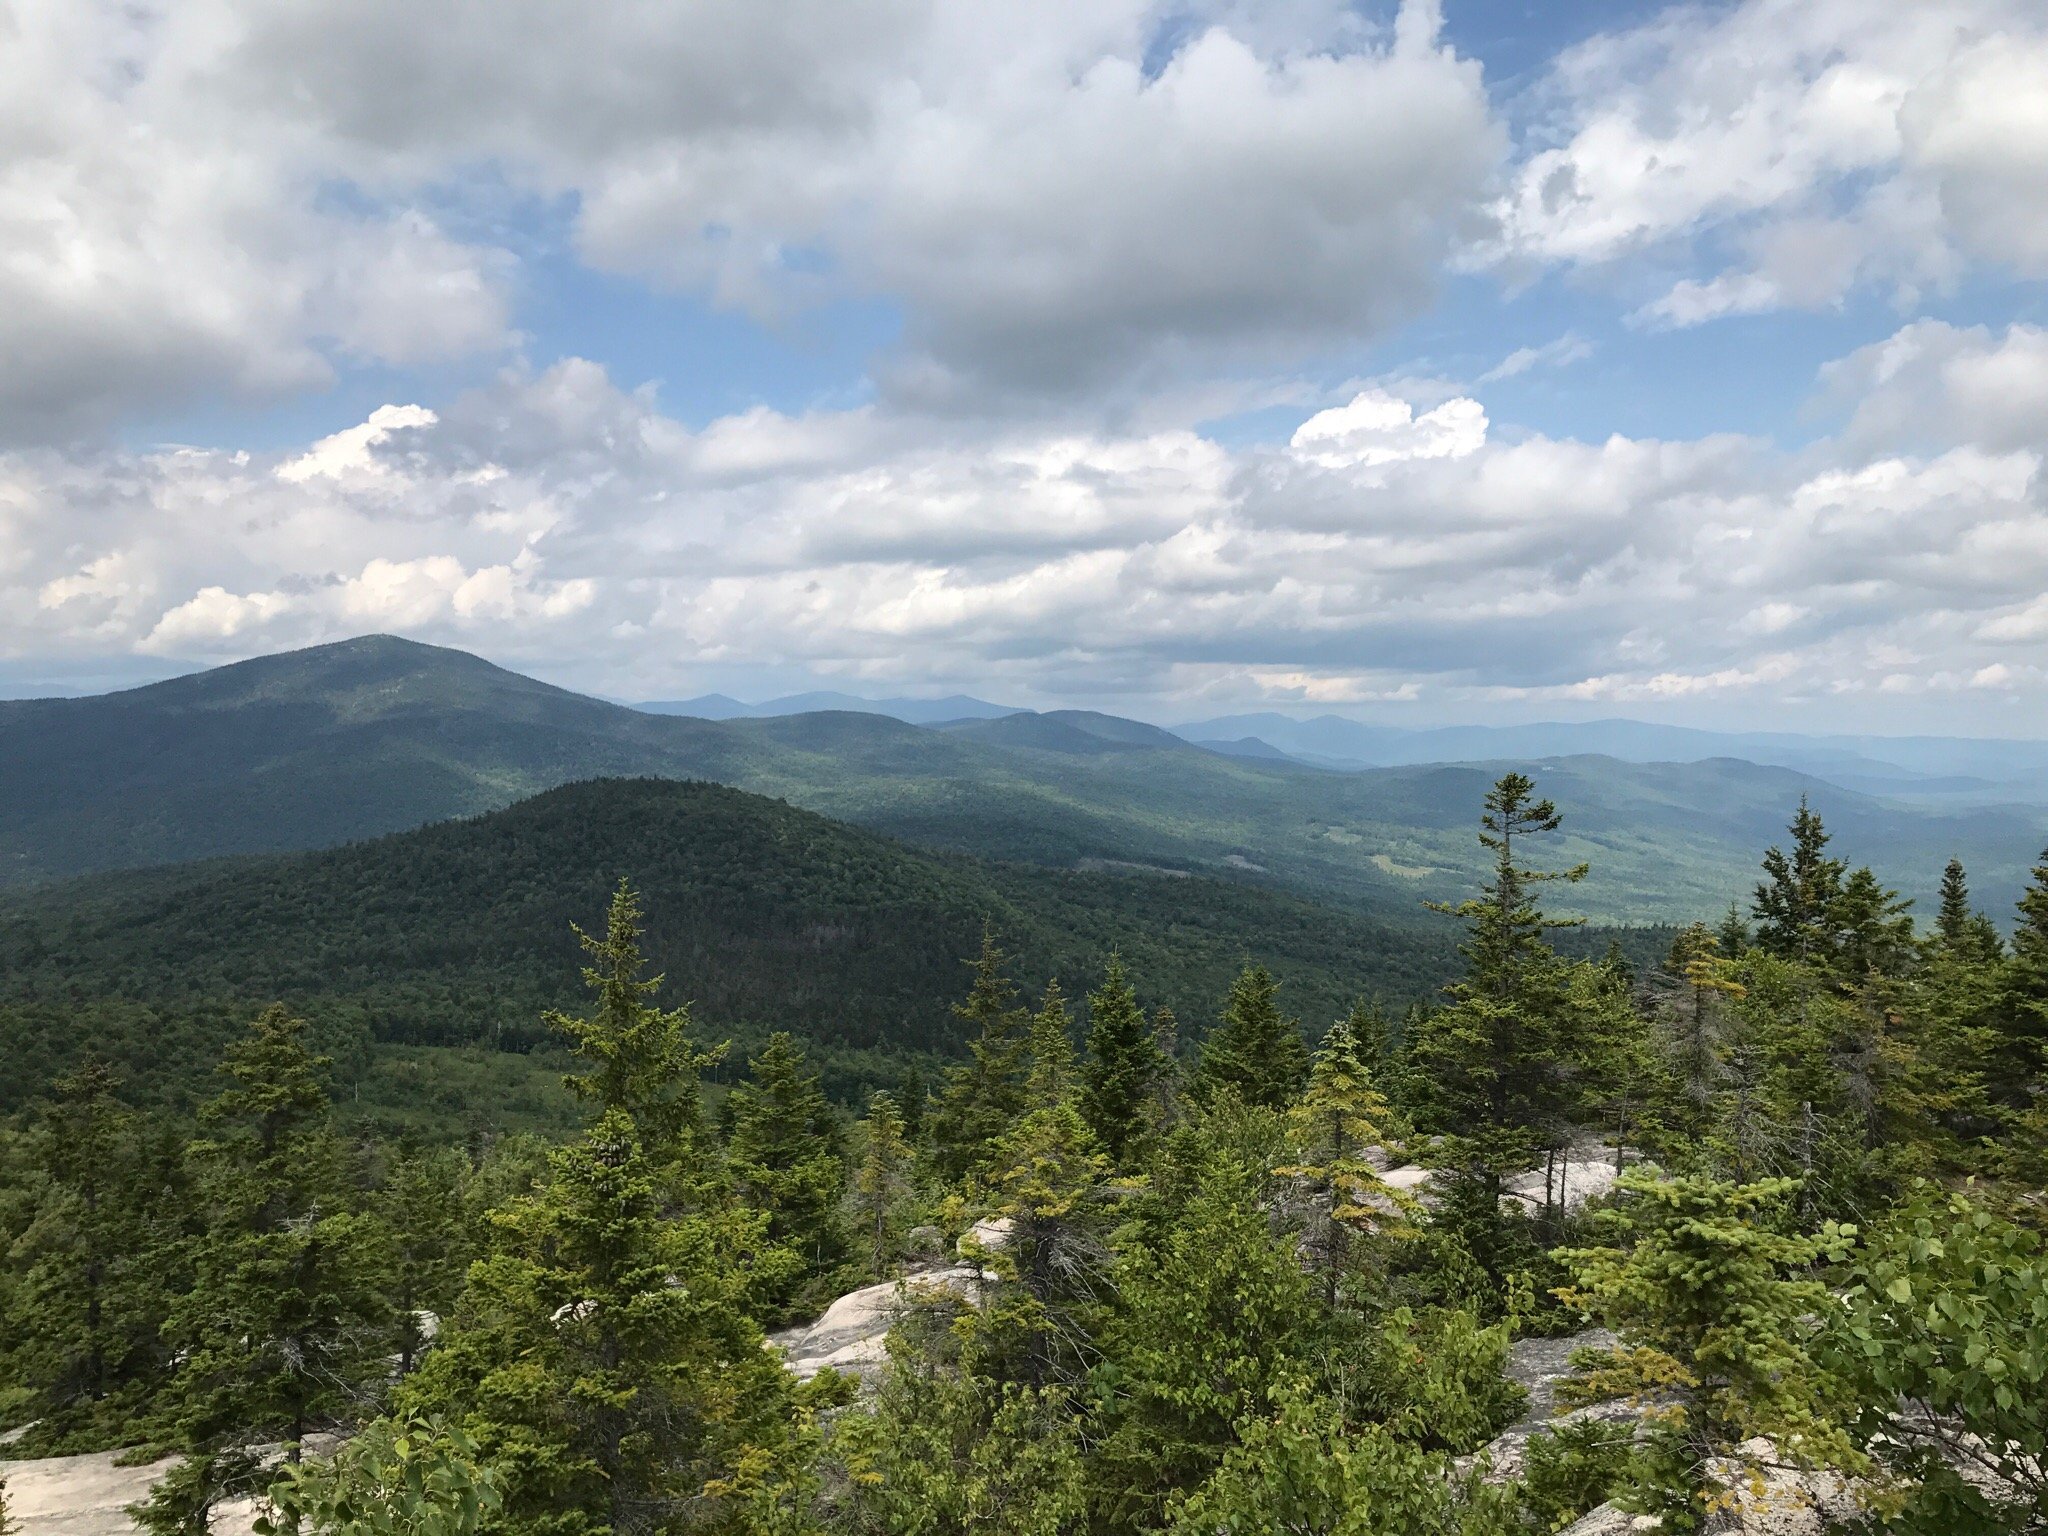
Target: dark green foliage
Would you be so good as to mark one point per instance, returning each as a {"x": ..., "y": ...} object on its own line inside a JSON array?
[
  {"x": 640, "y": 1058},
  {"x": 1122, "y": 1073},
  {"x": 1571, "y": 1467},
  {"x": 1211, "y": 1321},
  {"x": 1813, "y": 909},
  {"x": 1712, "y": 1300},
  {"x": 766, "y": 918},
  {"x": 984, "y": 1097},
  {"x": 423, "y": 1228},
  {"x": 1255, "y": 1052},
  {"x": 881, "y": 1184},
  {"x": 604, "y": 1354},
  {"x": 98, "y": 1264},
  {"x": 786, "y": 1154},
  {"x": 1796, "y": 905},
  {"x": 282, "y": 1330},
  {"x": 2021, "y": 1049},
  {"x": 1495, "y": 1072}
]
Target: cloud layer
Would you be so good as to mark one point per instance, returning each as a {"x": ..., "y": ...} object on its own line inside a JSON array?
[
  {"x": 1096, "y": 220},
  {"x": 1386, "y": 552}
]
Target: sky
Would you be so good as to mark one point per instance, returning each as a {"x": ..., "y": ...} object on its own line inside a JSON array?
[{"x": 1493, "y": 360}]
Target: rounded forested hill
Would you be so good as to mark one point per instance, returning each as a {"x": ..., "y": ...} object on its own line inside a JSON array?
[{"x": 761, "y": 915}]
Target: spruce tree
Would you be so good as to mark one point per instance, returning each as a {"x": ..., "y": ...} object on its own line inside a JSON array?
[
  {"x": 283, "y": 1331},
  {"x": 1051, "y": 1078},
  {"x": 1166, "y": 1087},
  {"x": 1952, "y": 919},
  {"x": 98, "y": 1267},
  {"x": 1119, "y": 1078},
  {"x": 1796, "y": 907},
  {"x": 1049, "y": 1181},
  {"x": 1713, "y": 1301},
  {"x": 1732, "y": 933},
  {"x": 1692, "y": 1004},
  {"x": 1256, "y": 1052},
  {"x": 1333, "y": 1133},
  {"x": 1372, "y": 1035},
  {"x": 881, "y": 1183},
  {"x": 987, "y": 1096},
  {"x": 605, "y": 1355},
  {"x": 1874, "y": 930},
  {"x": 788, "y": 1158},
  {"x": 606, "y": 1351},
  {"x": 1492, "y": 1073},
  {"x": 1209, "y": 1322},
  {"x": 641, "y": 1059},
  {"x": 2021, "y": 1051},
  {"x": 424, "y": 1231}
]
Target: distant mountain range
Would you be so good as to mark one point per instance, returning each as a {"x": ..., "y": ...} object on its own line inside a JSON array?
[
  {"x": 1954, "y": 770},
  {"x": 313, "y": 748},
  {"x": 1926, "y": 768},
  {"x": 717, "y": 706}
]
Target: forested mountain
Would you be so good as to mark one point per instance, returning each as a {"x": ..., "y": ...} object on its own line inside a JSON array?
[
  {"x": 1111, "y": 1279},
  {"x": 303, "y": 750},
  {"x": 315, "y": 747},
  {"x": 765, "y": 916}
]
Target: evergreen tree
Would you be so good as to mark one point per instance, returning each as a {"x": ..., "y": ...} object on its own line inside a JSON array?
[
  {"x": 1796, "y": 907},
  {"x": 1712, "y": 1302},
  {"x": 1120, "y": 1077},
  {"x": 1166, "y": 1086},
  {"x": 1962, "y": 934},
  {"x": 2020, "y": 1052},
  {"x": 424, "y": 1231},
  {"x": 1952, "y": 924},
  {"x": 282, "y": 1331},
  {"x": 642, "y": 1060},
  {"x": 1732, "y": 934},
  {"x": 880, "y": 1183},
  {"x": 1050, "y": 1184},
  {"x": 605, "y": 1354},
  {"x": 1256, "y": 1052},
  {"x": 1333, "y": 1133},
  {"x": 1692, "y": 1004},
  {"x": 1372, "y": 1036},
  {"x": 987, "y": 1096},
  {"x": 606, "y": 1351},
  {"x": 1051, "y": 1078},
  {"x": 1210, "y": 1321},
  {"x": 1492, "y": 1072},
  {"x": 98, "y": 1266},
  {"x": 1875, "y": 932},
  {"x": 787, "y": 1156},
  {"x": 911, "y": 1096}
]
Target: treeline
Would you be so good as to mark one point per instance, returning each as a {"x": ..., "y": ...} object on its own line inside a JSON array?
[{"x": 1197, "y": 1304}]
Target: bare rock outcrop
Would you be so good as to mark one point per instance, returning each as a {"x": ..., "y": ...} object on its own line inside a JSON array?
[{"x": 852, "y": 1334}]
